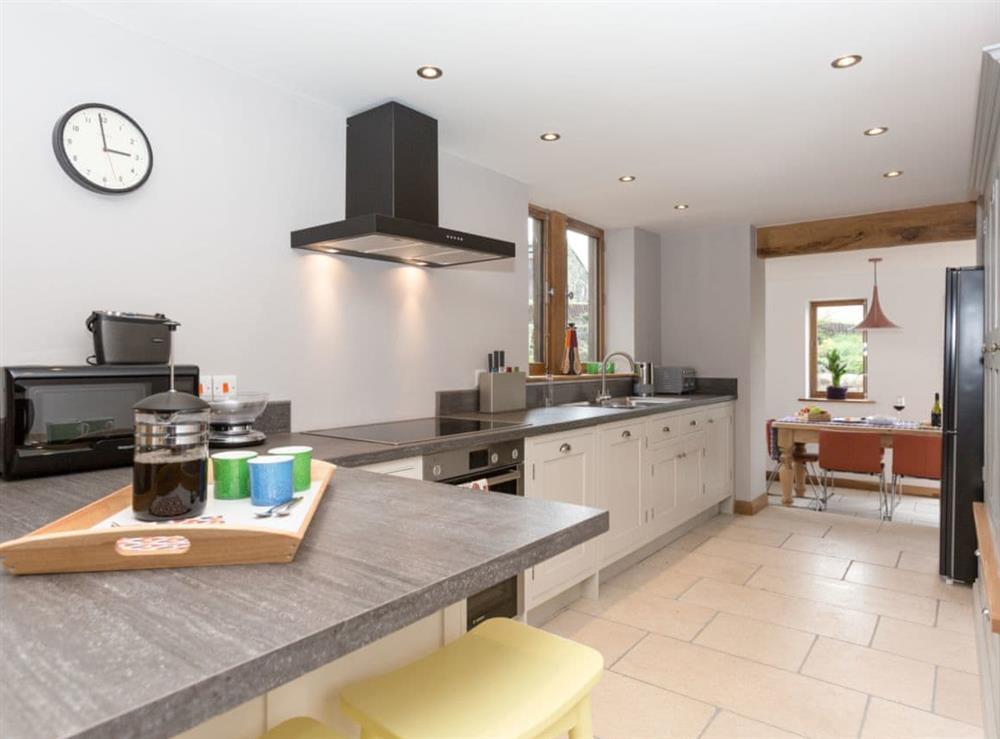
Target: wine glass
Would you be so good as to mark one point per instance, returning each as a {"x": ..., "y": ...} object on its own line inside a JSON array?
[{"x": 899, "y": 405}]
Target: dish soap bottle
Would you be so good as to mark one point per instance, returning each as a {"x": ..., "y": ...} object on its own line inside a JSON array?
[{"x": 571, "y": 353}]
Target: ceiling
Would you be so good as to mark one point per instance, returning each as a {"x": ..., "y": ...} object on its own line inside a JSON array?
[{"x": 730, "y": 107}]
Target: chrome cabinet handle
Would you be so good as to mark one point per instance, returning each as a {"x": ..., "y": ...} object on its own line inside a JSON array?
[
  {"x": 666, "y": 429},
  {"x": 986, "y": 612},
  {"x": 565, "y": 448},
  {"x": 711, "y": 420},
  {"x": 626, "y": 434},
  {"x": 694, "y": 423}
]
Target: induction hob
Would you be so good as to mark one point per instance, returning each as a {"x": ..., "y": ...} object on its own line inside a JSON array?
[{"x": 416, "y": 430}]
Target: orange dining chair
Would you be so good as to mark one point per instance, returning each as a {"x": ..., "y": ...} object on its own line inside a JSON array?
[
  {"x": 845, "y": 451},
  {"x": 808, "y": 459},
  {"x": 914, "y": 456}
]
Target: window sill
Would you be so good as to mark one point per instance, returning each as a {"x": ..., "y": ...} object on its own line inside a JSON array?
[
  {"x": 824, "y": 399},
  {"x": 577, "y": 378}
]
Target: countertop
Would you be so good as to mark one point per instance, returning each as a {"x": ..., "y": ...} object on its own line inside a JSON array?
[
  {"x": 538, "y": 421},
  {"x": 151, "y": 653}
]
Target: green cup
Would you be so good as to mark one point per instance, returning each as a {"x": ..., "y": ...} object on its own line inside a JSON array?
[
  {"x": 301, "y": 466},
  {"x": 232, "y": 474}
]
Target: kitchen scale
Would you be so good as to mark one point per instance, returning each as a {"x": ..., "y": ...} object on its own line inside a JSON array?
[{"x": 232, "y": 419}]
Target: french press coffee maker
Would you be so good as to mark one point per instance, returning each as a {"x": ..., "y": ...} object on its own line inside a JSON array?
[{"x": 170, "y": 462}]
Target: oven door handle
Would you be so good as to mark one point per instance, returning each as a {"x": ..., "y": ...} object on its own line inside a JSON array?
[{"x": 500, "y": 479}]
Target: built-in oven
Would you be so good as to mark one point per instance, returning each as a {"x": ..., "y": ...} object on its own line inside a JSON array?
[
  {"x": 501, "y": 465},
  {"x": 55, "y": 420}
]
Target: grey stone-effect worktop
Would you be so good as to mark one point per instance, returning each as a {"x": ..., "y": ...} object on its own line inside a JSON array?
[
  {"x": 151, "y": 653},
  {"x": 539, "y": 421}
]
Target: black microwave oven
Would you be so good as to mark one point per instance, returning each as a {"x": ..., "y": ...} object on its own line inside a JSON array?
[{"x": 55, "y": 420}]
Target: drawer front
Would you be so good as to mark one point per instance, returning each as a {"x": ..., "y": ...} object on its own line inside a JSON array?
[{"x": 660, "y": 429}]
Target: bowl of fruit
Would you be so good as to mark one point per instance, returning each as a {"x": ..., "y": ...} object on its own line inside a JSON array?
[{"x": 814, "y": 413}]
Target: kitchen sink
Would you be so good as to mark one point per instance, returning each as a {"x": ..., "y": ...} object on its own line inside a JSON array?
[{"x": 626, "y": 402}]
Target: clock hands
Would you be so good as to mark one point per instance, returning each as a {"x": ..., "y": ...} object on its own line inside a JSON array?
[
  {"x": 115, "y": 151},
  {"x": 104, "y": 139}
]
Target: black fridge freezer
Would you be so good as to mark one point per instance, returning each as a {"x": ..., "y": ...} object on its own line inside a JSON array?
[{"x": 962, "y": 439}]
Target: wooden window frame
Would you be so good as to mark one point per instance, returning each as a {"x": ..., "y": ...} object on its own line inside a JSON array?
[
  {"x": 554, "y": 227},
  {"x": 814, "y": 392}
]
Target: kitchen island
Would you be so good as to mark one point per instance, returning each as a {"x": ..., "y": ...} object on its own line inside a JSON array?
[{"x": 152, "y": 653}]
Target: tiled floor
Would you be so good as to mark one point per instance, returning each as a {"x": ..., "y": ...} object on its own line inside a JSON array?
[
  {"x": 864, "y": 504},
  {"x": 787, "y": 623}
]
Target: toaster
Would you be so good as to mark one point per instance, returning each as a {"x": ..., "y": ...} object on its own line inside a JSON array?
[
  {"x": 674, "y": 380},
  {"x": 129, "y": 338}
]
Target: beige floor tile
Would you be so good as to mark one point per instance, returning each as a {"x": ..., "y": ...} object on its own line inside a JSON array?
[
  {"x": 760, "y": 641},
  {"x": 728, "y": 725},
  {"x": 700, "y": 564},
  {"x": 915, "y": 583},
  {"x": 902, "y": 528},
  {"x": 958, "y": 696},
  {"x": 927, "y": 644},
  {"x": 624, "y": 708},
  {"x": 887, "y": 720},
  {"x": 668, "y": 583},
  {"x": 871, "y": 671},
  {"x": 691, "y": 540},
  {"x": 955, "y": 617},
  {"x": 777, "y": 520},
  {"x": 814, "y": 564},
  {"x": 847, "y": 595},
  {"x": 796, "y": 613},
  {"x": 818, "y": 709},
  {"x": 768, "y": 537},
  {"x": 649, "y": 612},
  {"x": 609, "y": 638},
  {"x": 884, "y": 539},
  {"x": 917, "y": 562},
  {"x": 843, "y": 549}
]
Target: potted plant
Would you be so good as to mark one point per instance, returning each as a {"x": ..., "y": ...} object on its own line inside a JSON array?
[{"x": 837, "y": 367}]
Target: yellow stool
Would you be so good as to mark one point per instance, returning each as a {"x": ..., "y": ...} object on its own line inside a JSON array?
[
  {"x": 501, "y": 680},
  {"x": 301, "y": 728}
]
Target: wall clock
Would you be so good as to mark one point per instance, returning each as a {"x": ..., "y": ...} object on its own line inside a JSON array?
[{"x": 102, "y": 148}]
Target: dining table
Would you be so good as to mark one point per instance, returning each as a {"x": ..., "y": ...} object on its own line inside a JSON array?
[{"x": 795, "y": 432}]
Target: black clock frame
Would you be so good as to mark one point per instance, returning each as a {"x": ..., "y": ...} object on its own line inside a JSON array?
[{"x": 57, "y": 146}]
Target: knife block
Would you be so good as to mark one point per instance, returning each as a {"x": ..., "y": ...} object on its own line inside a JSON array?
[{"x": 501, "y": 391}]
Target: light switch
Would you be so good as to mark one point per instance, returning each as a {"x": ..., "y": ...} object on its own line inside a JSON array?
[{"x": 205, "y": 387}]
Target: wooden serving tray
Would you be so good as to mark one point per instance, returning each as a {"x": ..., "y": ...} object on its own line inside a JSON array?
[{"x": 82, "y": 542}]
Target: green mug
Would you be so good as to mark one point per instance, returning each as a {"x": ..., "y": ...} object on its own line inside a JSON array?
[
  {"x": 301, "y": 466},
  {"x": 232, "y": 474}
]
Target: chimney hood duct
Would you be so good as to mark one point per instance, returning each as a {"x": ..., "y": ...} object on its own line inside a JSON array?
[{"x": 392, "y": 198}]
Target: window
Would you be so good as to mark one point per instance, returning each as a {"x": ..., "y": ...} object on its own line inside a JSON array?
[
  {"x": 831, "y": 326},
  {"x": 566, "y": 266},
  {"x": 536, "y": 288}
]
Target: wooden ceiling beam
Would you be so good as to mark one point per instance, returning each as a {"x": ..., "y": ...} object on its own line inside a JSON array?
[{"x": 935, "y": 223}]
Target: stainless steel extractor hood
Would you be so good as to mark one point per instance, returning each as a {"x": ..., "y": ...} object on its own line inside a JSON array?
[{"x": 392, "y": 198}]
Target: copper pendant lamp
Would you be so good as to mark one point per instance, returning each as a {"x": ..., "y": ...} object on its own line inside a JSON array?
[{"x": 875, "y": 318}]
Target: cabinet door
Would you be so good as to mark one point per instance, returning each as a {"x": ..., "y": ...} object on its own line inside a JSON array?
[
  {"x": 690, "y": 487},
  {"x": 718, "y": 456},
  {"x": 659, "y": 491},
  {"x": 561, "y": 468},
  {"x": 619, "y": 488}
]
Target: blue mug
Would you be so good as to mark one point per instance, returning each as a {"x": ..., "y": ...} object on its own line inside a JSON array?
[{"x": 270, "y": 479}]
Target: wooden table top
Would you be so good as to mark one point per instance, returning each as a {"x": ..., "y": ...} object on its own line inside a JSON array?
[{"x": 870, "y": 428}]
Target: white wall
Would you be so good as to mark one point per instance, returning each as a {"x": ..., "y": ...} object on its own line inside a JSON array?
[
  {"x": 906, "y": 362},
  {"x": 632, "y": 288},
  {"x": 712, "y": 319},
  {"x": 238, "y": 164}
]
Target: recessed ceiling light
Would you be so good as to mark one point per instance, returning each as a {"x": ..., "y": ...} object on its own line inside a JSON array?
[
  {"x": 843, "y": 62},
  {"x": 332, "y": 251},
  {"x": 550, "y": 136},
  {"x": 893, "y": 173},
  {"x": 429, "y": 73},
  {"x": 419, "y": 263},
  {"x": 627, "y": 178},
  {"x": 876, "y": 131},
  {"x": 681, "y": 206}
]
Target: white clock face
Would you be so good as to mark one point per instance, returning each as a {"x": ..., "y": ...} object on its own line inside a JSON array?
[{"x": 103, "y": 149}]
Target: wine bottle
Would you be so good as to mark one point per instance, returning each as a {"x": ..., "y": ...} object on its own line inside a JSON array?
[{"x": 936, "y": 410}]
